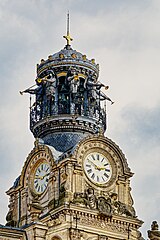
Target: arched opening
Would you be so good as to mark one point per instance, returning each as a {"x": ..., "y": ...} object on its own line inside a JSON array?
[
  {"x": 63, "y": 96},
  {"x": 56, "y": 238}
]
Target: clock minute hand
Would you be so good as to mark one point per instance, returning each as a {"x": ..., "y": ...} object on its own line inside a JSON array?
[
  {"x": 47, "y": 174},
  {"x": 102, "y": 168},
  {"x": 96, "y": 167}
]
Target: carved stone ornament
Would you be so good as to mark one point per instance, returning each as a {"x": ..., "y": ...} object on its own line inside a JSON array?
[
  {"x": 35, "y": 209},
  {"x": 79, "y": 199},
  {"x": 90, "y": 198},
  {"x": 10, "y": 220},
  {"x": 102, "y": 224},
  {"x": 104, "y": 206},
  {"x": 76, "y": 234},
  {"x": 120, "y": 208},
  {"x": 56, "y": 220},
  {"x": 107, "y": 206},
  {"x": 102, "y": 237},
  {"x": 154, "y": 233}
]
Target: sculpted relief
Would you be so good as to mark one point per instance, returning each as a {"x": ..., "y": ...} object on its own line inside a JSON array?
[{"x": 106, "y": 206}]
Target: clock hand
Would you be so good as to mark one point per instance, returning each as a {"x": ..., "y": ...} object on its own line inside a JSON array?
[
  {"x": 101, "y": 168},
  {"x": 38, "y": 177},
  {"x": 96, "y": 167},
  {"x": 47, "y": 174}
]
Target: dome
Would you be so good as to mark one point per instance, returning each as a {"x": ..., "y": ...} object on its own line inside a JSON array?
[{"x": 67, "y": 58}]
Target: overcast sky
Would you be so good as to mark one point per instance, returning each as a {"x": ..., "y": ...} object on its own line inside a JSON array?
[{"x": 124, "y": 38}]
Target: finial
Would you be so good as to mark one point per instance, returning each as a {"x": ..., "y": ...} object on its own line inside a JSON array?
[{"x": 68, "y": 37}]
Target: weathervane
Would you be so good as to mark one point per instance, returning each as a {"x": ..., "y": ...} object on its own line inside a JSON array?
[{"x": 68, "y": 37}]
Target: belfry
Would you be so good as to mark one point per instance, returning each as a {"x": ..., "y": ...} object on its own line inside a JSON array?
[{"x": 75, "y": 182}]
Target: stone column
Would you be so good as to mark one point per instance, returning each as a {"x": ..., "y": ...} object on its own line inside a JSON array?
[{"x": 37, "y": 231}]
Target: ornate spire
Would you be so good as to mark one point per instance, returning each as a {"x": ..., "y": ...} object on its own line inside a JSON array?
[{"x": 68, "y": 37}]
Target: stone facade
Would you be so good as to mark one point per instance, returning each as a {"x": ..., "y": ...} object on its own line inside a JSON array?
[{"x": 73, "y": 207}]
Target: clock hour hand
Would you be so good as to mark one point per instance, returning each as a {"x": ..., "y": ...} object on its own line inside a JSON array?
[
  {"x": 96, "y": 167},
  {"x": 102, "y": 168},
  {"x": 38, "y": 177},
  {"x": 47, "y": 174}
]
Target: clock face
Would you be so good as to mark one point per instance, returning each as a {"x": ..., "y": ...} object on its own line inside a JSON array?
[
  {"x": 97, "y": 168},
  {"x": 41, "y": 177}
]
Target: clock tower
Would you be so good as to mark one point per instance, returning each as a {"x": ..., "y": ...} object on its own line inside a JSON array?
[{"x": 75, "y": 182}]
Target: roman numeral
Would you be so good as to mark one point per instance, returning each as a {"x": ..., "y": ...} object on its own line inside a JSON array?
[
  {"x": 98, "y": 157},
  {"x": 87, "y": 165},
  {"x": 89, "y": 170},
  {"x": 106, "y": 164},
  {"x": 102, "y": 160},
  {"x": 93, "y": 157},
  {"x": 42, "y": 166},
  {"x": 93, "y": 175},
  {"x": 106, "y": 175},
  {"x": 47, "y": 169},
  {"x": 36, "y": 186},
  {"x": 107, "y": 170},
  {"x": 97, "y": 179}
]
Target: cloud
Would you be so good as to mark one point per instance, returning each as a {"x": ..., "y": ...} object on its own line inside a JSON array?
[
  {"x": 138, "y": 134},
  {"x": 124, "y": 38}
]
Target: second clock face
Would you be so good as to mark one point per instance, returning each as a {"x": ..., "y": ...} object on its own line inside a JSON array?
[
  {"x": 41, "y": 177},
  {"x": 97, "y": 168}
]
